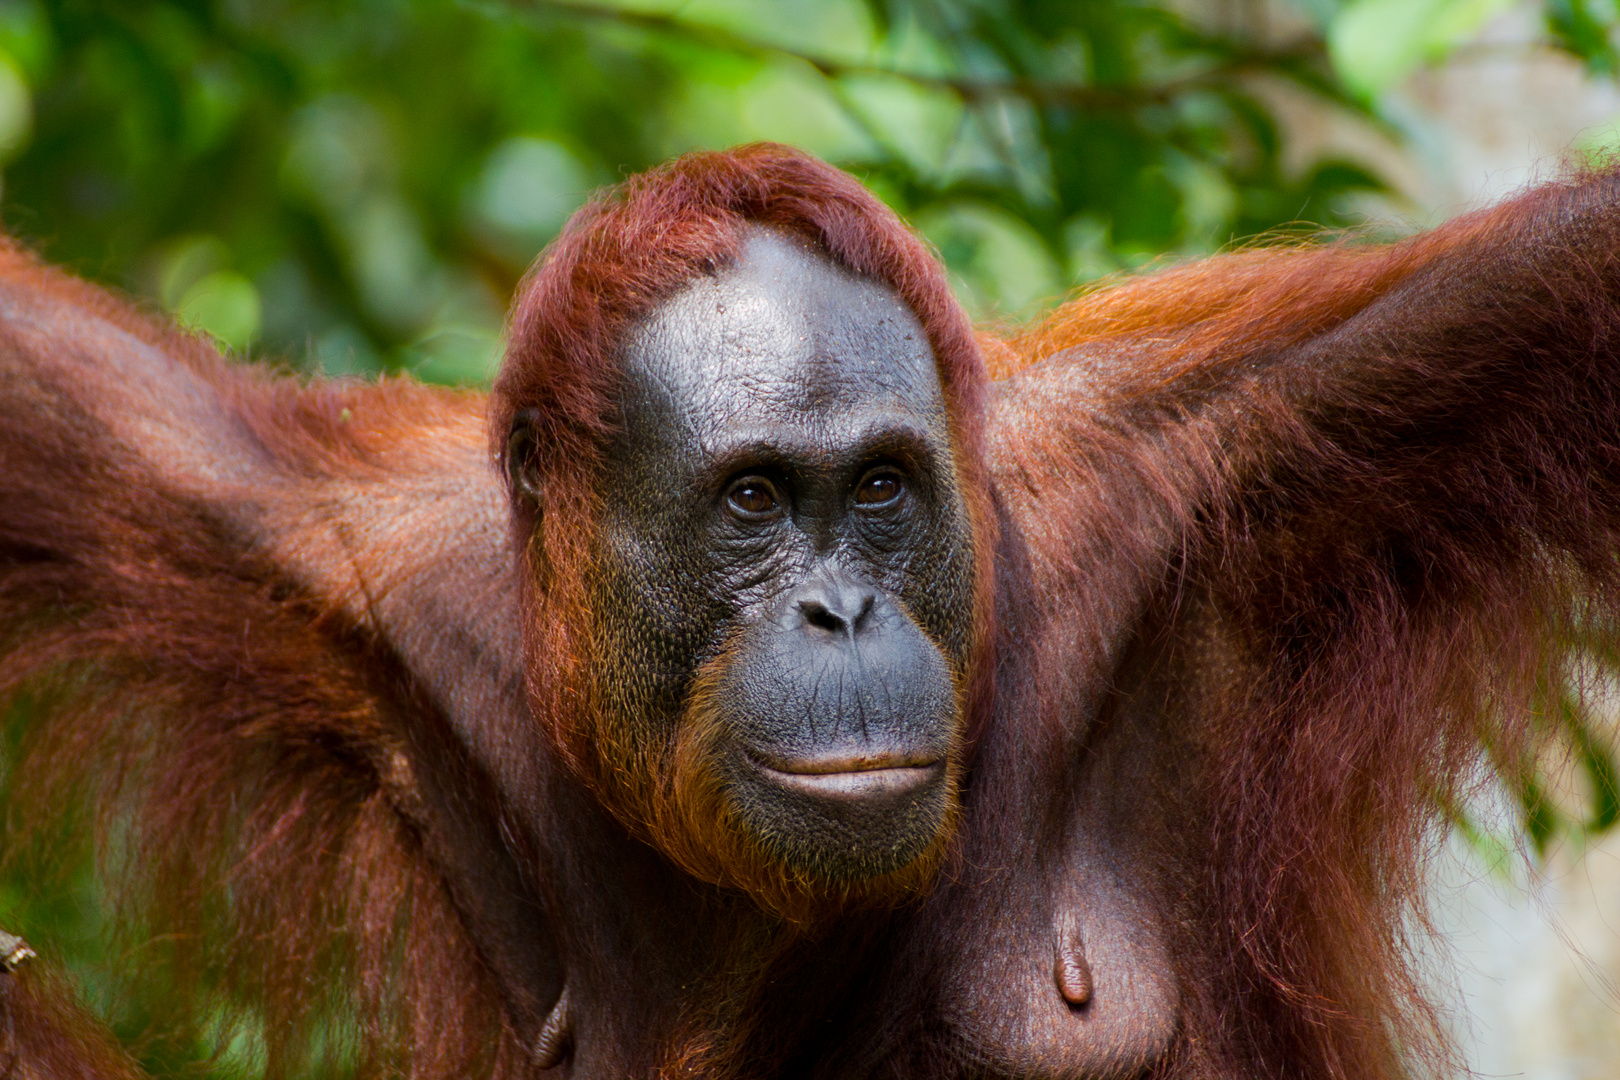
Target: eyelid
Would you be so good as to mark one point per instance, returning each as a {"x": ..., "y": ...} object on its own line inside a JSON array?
[
  {"x": 901, "y": 477},
  {"x": 752, "y": 479}
]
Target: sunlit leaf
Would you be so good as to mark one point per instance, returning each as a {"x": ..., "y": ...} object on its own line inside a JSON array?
[
  {"x": 224, "y": 304},
  {"x": 1376, "y": 43}
]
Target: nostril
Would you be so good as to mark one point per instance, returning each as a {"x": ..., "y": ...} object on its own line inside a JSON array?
[
  {"x": 819, "y": 615},
  {"x": 866, "y": 610}
]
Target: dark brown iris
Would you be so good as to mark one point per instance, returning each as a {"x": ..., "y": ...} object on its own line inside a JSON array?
[
  {"x": 878, "y": 488},
  {"x": 752, "y": 497}
]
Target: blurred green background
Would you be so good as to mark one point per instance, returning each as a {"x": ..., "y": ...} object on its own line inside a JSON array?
[{"x": 356, "y": 186}]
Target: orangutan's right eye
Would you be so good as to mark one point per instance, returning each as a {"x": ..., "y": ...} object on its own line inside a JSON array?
[{"x": 752, "y": 498}]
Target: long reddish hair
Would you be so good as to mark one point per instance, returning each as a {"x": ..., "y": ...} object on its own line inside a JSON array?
[{"x": 628, "y": 249}]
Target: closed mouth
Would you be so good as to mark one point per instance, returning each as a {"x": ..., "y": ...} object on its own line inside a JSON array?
[{"x": 853, "y": 778}]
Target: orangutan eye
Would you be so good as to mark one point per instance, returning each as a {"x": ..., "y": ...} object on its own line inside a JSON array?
[
  {"x": 879, "y": 488},
  {"x": 753, "y": 498}
]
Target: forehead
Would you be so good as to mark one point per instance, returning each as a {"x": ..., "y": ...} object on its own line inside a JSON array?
[{"x": 782, "y": 340}]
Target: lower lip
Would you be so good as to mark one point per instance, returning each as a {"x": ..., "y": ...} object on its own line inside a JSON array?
[{"x": 858, "y": 784}]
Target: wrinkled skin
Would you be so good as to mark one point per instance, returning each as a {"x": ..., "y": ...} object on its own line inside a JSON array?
[{"x": 781, "y": 512}]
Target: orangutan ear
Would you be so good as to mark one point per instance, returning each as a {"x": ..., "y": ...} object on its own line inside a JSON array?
[{"x": 522, "y": 465}]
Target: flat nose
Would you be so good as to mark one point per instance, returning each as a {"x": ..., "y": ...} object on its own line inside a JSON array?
[{"x": 839, "y": 607}]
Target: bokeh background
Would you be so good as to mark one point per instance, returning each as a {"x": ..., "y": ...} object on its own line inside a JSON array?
[{"x": 354, "y": 187}]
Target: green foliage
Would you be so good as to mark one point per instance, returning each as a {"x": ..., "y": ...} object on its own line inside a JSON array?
[
  {"x": 1566, "y": 791},
  {"x": 357, "y": 186},
  {"x": 1375, "y": 43},
  {"x": 1590, "y": 29}
]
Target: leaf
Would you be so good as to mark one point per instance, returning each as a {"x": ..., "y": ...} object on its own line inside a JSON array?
[
  {"x": 1581, "y": 28},
  {"x": 1377, "y": 43}
]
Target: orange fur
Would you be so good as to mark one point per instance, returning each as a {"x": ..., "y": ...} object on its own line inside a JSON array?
[
  {"x": 1345, "y": 506},
  {"x": 630, "y": 248}
]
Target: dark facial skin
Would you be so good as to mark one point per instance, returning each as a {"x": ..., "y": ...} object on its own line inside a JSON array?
[{"x": 781, "y": 512}]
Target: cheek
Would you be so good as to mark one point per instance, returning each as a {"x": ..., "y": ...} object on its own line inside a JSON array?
[
  {"x": 649, "y": 625},
  {"x": 663, "y": 600},
  {"x": 938, "y": 588},
  {"x": 741, "y": 578}
]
